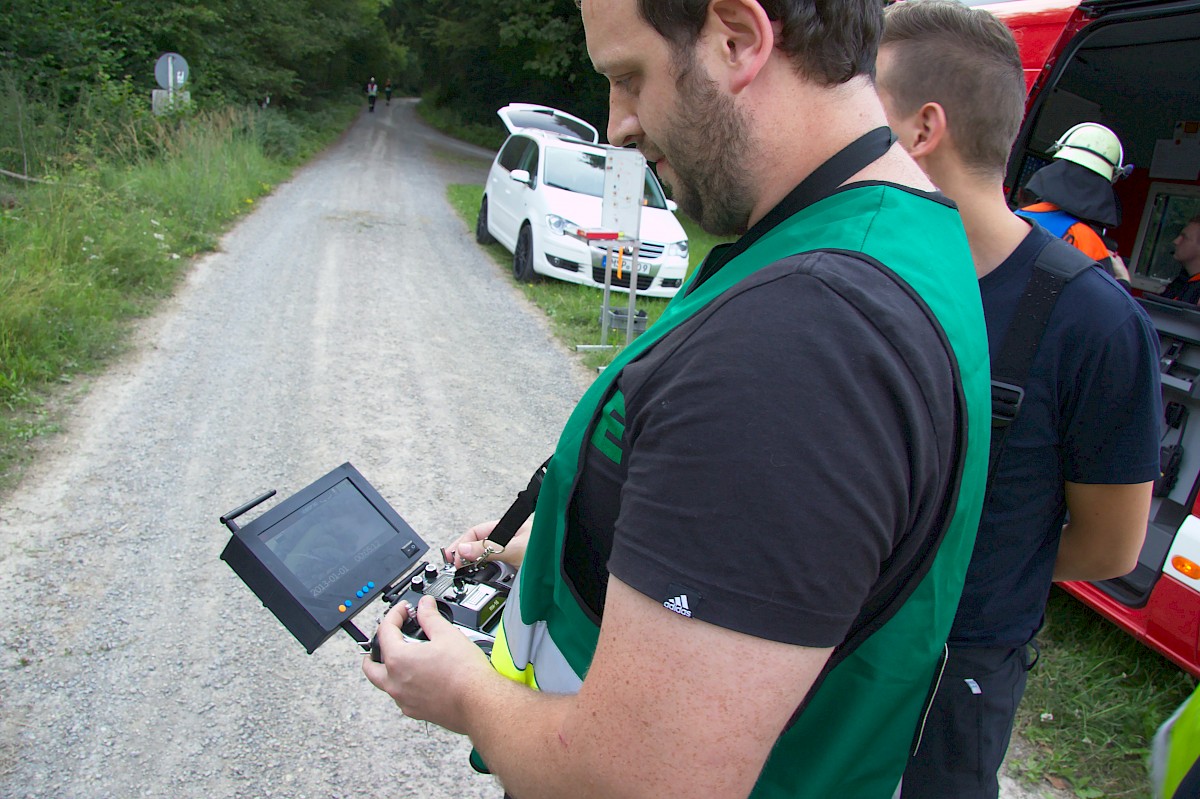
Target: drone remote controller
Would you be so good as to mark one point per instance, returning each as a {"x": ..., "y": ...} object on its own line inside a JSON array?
[
  {"x": 470, "y": 598},
  {"x": 322, "y": 555}
]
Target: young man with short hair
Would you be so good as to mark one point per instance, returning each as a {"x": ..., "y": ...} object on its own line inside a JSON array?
[
  {"x": 1085, "y": 436},
  {"x": 750, "y": 540}
]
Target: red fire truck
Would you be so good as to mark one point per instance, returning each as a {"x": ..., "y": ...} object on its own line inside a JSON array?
[{"x": 1134, "y": 66}]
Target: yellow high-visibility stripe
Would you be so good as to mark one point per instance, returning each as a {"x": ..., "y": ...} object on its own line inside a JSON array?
[
  {"x": 527, "y": 654},
  {"x": 502, "y": 661}
]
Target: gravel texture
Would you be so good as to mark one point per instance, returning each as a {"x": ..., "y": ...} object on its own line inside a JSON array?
[{"x": 349, "y": 318}]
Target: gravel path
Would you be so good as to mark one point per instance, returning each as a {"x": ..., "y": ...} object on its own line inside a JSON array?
[{"x": 351, "y": 317}]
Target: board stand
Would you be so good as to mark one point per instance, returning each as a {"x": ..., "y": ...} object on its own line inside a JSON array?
[{"x": 617, "y": 248}]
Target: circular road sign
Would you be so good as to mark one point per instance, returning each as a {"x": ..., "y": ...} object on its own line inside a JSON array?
[{"x": 171, "y": 71}]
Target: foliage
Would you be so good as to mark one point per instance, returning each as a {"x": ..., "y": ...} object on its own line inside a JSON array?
[
  {"x": 107, "y": 235},
  {"x": 478, "y": 55},
  {"x": 238, "y": 51},
  {"x": 468, "y": 57},
  {"x": 449, "y": 121}
]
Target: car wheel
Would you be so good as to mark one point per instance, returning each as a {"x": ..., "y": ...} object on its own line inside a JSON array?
[
  {"x": 481, "y": 232},
  {"x": 523, "y": 257}
]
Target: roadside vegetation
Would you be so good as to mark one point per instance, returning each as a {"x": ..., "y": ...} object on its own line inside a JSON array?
[
  {"x": 1096, "y": 696},
  {"x": 1093, "y": 704},
  {"x": 102, "y": 203},
  {"x": 107, "y": 229}
]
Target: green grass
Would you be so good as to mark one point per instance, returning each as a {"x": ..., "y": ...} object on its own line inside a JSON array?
[
  {"x": 574, "y": 310},
  {"x": 1093, "y": 703},
  {"x": 1096, "y": 697},
  {"x": 106, "y": 239}
]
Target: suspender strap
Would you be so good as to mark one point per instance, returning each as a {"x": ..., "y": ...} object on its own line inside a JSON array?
[
  {"x": 520, "y": 510},
  {"x": 1056, "y": 265}
]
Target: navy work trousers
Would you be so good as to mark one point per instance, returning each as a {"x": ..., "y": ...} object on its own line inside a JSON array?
[{"x": 965, "y": 736}]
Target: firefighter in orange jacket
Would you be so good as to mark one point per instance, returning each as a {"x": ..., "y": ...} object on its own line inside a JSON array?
[{"x": 1075, "y": 191}]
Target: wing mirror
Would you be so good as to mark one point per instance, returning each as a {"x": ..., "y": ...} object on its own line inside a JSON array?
[
  {"x": 521, "y": 176},
  {"x": 672, "y": 206}
]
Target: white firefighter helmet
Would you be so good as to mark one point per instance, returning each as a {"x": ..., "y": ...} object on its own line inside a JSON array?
[{"x": 1094, "y": 147}]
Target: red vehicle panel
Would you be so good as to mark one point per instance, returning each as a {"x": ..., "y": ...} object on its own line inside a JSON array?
[
  {"x": 1168, "y": 623},
  {"x": 1038, "y": 26}
]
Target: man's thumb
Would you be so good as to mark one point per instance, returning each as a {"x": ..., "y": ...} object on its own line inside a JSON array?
[{"x": 432, "y": 622}]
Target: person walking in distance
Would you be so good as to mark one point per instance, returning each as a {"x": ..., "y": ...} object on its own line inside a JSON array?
[{"x": 372, "y": 93}]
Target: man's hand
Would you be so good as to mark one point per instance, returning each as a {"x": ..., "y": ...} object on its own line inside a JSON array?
[
  {"x": 432, "y": 680},
  {"x": 1120, "y": 271},
  {"x": 473, "y": 544}
]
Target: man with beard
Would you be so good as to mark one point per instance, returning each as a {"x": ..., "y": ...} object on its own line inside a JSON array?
[{"x": 749, "y": 543}]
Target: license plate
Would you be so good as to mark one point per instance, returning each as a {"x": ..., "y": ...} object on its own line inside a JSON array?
[{"x": 643, "y": 267}]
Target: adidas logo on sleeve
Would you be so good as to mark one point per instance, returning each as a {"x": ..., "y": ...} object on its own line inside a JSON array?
[
  {"x": 681, "y": 600},
  {"x": 678, "y": 604}
]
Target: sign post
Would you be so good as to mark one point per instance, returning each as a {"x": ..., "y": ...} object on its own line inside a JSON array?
[
  {"x": 171, "y": 72},
  {"x": 619, "y": 232}
]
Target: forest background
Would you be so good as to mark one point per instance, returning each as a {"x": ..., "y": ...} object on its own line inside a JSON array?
[{"x": 466, "y": 57}]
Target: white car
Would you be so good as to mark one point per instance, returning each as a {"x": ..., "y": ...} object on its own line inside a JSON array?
[{"x": 548, "y": 178}]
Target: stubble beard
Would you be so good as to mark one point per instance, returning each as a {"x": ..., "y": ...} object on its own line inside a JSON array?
[{"x": 704, "y": 150}]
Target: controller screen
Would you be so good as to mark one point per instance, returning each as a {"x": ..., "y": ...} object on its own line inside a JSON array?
[{"x": 327, "y": 537}]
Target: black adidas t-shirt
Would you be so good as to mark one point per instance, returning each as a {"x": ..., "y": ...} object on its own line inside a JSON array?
[{"x": 759, "y": 464}]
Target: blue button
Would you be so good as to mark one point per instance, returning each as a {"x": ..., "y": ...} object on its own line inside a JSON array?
[
  {"x": 370, "y": 585},
  {"x": 366, "y": 589},
  {"x": 359, "y": 594},
  {"x": 349, "y": 604}
]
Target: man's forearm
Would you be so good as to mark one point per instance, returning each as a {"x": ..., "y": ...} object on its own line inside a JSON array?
[{"x": 520, "y": 734}]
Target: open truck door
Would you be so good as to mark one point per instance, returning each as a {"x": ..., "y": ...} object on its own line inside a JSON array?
[{"x": 1134, "y": 66}]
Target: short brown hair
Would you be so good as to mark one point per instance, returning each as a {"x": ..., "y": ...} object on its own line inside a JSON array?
[
  {"x": 828, "y": 41},
  {"x": 967, "y": 61}
]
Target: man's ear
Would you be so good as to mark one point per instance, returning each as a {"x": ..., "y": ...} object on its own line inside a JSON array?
[
  {"x": 927, "y": 129},
  {"x": 745, "y": 37}
]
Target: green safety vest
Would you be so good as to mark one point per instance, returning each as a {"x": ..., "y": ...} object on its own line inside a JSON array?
[{"x": 852, "y": 739}]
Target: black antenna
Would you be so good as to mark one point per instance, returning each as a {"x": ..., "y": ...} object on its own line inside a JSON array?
[{"x": 228, "y": 518}]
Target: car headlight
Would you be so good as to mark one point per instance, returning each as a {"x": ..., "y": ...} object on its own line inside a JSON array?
[
  {"x": 559, "y": 225},
  {"x": 679, "y": 248}
]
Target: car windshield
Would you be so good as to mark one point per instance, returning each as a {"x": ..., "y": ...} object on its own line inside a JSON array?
[{"x": 582, "y": 172}]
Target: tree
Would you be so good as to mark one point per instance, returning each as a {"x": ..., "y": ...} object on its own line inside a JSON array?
[{"x": 477, "y": 56}]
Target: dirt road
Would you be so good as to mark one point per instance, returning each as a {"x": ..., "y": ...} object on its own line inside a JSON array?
[{"x": 350, "y": 318}]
